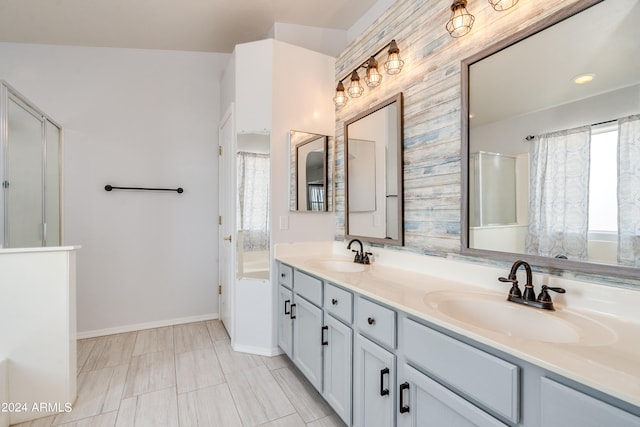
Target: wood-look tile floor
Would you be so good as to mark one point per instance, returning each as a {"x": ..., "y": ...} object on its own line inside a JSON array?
[{"x": 187, "y": 376}]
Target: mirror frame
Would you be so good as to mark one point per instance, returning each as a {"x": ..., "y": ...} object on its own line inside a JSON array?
[
  {"x": 552, "y": 264},
  {"x": 329, "y": 171},
  {"x": 400, "y": 240},
  {"x": 325, "y": 179}
]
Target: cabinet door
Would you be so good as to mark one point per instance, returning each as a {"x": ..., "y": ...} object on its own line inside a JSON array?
[
  {"x": 425, "y": 403},
  {"x": 338, "y": 367},
  {"x": 564, "y": 406},
  {"x": 285, "y": 323},
  {"x": 374, "y": 385},
  {"x": 307, "y": 344}
]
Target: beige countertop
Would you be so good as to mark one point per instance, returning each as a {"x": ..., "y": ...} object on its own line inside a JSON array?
[{"x": 607, "y": 356}]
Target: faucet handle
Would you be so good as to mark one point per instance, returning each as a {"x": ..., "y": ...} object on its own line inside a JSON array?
[
  {"x": 366, "y": 259},
  {"x": 357, "y": 258},
  {"x": 515, "y": 290},
  {"x": 545, "y": 298},
  {"x": 544, "y": 295}
]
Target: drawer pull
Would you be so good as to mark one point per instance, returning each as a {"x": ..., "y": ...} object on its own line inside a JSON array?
[
  {"x": 334, "y": 301},
  {"x": 403, "y": 408},
  {"x": 322, "y": 339},
  {"x": 291, "y": 315},
  {"x": 371, "y": 320},
  {"x": 287, "y": 310},
  {"x": 383, "y": 391}
]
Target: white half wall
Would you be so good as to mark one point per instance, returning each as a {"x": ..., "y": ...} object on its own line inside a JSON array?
[{"x": 133, "y": 117}]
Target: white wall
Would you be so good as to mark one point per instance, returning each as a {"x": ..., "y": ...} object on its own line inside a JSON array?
[
  {"x": 327, "y": 41},
  {"x": 303, "y": 88},
  {"x": 133, "y": 118}
]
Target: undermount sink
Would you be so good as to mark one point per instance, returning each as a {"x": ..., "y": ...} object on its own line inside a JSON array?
[
  {"x": 494, "y": 313},
  {"x": 342, "y": 266}
]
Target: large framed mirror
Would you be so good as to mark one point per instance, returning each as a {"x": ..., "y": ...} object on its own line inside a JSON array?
[
  {"x": 551, "y": 143},
  {"x": 373, "y": 174},
  {"x": 309, "y": 172}
]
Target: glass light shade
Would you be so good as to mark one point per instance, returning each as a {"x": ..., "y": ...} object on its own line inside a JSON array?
[
  {"x": 341, "y": 97},
  {"x": 394, "y": 63},
  {"x": 461, "y": 20},
  {"x": 373, "y": 77},
  {"x": 355, "y": 88},
  {"x": 501, "y": 5}
]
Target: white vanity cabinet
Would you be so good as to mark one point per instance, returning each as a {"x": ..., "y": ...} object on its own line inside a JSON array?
[
  {"x": 316, "y": 334},
  {"x": 374, "y": 365},
  {"x": 379, "y": 366}
]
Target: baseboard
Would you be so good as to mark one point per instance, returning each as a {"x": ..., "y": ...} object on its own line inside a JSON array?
[
  {"x": 147, "y": 325},
  {"x": 260, "y": 351}
]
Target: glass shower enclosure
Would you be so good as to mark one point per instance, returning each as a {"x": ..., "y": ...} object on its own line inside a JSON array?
[{"x": 30, "y": 173}]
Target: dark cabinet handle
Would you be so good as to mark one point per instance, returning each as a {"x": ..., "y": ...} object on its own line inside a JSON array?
[
  {"x": 371, "y": 320},
  {"x": 283, "y": 275},
  {"x": 322, "y": 340},
  {"x": 291, "y": 315},
  {"x": 334, "y": 301},
  {"x": 383, "y": 391},
  {"x": 287, "y": 310},
  {"x": 403, "y": 408}
]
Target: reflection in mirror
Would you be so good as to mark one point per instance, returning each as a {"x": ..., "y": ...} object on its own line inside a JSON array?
[
  {"x": 309, "y": 172},
  {"x": 548, "y": 119},
  {"x": 373, "y": 174},
  {"x": 252, "y": 221}
]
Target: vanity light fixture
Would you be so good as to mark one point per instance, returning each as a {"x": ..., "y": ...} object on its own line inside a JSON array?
[
  {"x": 341, "y": 97},
  {"x": 394, "y": 63},
  {"x": 355, "y": 88},
  {"x": 501, "y": 5},
  {"x": 373, "y": 78},
  {"x": 461, "y": 20}
]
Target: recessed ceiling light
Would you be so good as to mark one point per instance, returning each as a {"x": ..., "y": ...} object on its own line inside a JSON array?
[{"x": 584, "y": 78}]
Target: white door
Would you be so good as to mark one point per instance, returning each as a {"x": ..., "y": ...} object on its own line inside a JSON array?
[{"x": 226, "y": 209}]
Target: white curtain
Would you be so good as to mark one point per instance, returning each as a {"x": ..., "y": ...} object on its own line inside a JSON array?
[
  {"x": 253, "y": 200},
  {"x": 629, "y": 191},
  {"x": 559, "y": 194}
]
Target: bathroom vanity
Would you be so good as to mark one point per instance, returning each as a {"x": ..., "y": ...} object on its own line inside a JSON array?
[{"x": 389, "y": 346}]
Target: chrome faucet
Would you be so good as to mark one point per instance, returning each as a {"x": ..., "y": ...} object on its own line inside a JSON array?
[
  {"x": 543, "y": 300},
  {"x": 361, "y": 257}
]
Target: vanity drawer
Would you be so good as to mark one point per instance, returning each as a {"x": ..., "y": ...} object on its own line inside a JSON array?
[
  {"x": 285, "y": 275},
  {"x": 483, "y": 377},
  {"x": 338, "y": 302},
  {"x": 376, "y": 321},
  {"x": 308, "y": 287}
]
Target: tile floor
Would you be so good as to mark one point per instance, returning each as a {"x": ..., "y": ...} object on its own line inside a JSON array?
[{"x": 187, "y": 376}]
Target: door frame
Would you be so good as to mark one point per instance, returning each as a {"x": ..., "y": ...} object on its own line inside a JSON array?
[{"x": 226, "y": 226}]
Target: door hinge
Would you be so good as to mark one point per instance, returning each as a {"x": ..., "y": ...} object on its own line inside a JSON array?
[
  {"x": 219, "y": 150},
  {"x": 219, "y": 289},
  {"x": 219, "y": 219}
]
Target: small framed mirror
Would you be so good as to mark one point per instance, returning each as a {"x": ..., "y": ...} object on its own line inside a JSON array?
[
  {"x": 373, "y": 174},
  {"x": 308, "y": 189}
]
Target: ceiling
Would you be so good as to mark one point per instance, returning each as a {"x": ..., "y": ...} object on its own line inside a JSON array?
[
  {"x": 537, "y": 73},
  {"x": 193, "y": 25}
]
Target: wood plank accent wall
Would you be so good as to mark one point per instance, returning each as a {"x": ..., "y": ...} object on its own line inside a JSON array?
[{"x": 430, "y": 82}]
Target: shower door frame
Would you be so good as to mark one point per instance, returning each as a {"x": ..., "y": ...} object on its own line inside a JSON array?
[{"x": 8, "y": 92}]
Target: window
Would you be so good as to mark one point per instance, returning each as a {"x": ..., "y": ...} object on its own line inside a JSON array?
[{"x": 603, "y": 182}]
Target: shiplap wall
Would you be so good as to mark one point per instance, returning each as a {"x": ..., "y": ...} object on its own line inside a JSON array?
[{"x": 430, "y": 82}]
